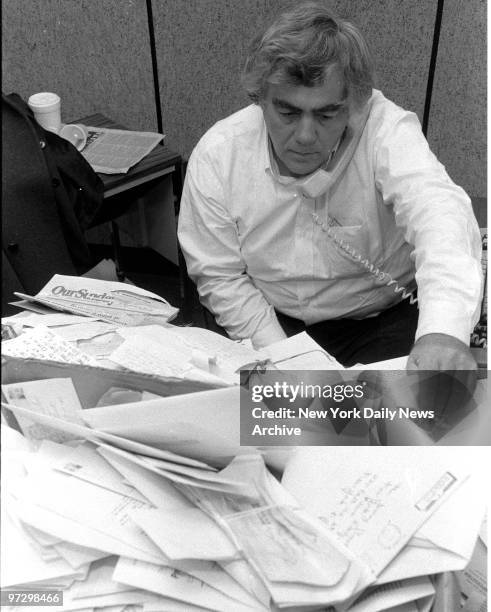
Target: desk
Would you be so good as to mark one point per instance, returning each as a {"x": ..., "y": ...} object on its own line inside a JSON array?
[{"x": 120, "y": 190}]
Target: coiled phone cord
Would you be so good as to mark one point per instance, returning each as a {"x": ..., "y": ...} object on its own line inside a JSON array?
[{"x": 367, "y": 265}]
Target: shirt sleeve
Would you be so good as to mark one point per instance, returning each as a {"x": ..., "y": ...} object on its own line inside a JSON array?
[
  {"x": 437, "y": 218},
  {"x": 210, "y": 243}
]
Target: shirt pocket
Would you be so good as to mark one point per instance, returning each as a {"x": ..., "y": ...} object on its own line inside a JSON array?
[{"x": 346, "y": 251}]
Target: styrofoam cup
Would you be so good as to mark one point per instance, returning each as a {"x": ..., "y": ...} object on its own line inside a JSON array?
[
  {"x": 46, "y": 107},
  {"x": 75, "y": 133}
]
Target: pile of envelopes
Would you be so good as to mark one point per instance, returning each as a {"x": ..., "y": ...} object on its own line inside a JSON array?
[{"x": 142, "y": 529}]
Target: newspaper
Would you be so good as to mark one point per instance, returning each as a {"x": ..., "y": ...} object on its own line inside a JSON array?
[
  {"x": 116, "y": 151},
  {"x": 108, "y": 301}
]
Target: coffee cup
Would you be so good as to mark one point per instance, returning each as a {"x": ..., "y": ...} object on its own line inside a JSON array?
[
  {"x": 46, "y": 107},
  {"x": 75, "y": 133}
]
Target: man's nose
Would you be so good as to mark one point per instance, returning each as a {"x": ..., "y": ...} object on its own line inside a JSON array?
[{"x": 305, "y": 133}]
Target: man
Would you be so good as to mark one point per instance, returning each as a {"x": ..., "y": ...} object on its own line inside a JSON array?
[{"x": 321, "y": 207}]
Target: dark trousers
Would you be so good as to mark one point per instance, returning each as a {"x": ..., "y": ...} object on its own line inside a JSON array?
[{"x": 387, "y": 335}]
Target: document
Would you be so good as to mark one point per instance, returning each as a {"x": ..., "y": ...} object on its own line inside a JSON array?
[
  {"x": 22, "y": 561},
  {"x": 99, "y": 580},
  {"x": 42, "y": 343},
  {"x": 54, "y": 397},
  {"x": 299, "y": 562},
  {"x": 175, "y": 584},
  {"x": 86, "y": 433},
  {"x": 158, "y": 490},
  {"x": 203, "y": 425},
  {"x": 300, "y": 352},
  {"x": 83, "y": 462},
  {"x": 54, "y": 319},
  {"x": 225, "y": 356},
  {"x": 445, "y": 542},
  {"x": 171, "y": 502},
  {"x": 178, "y": 474},
  {"x": 112, "y": 151},
  {"x": 473, "y": 580},
  {"x": 393, "y": 595},
  {"x": 146, "y": 356},
  {"x": 374, "y": 506},
  {"x": 27, "y": 565},
  {"x": 101, "y": 515},
  {"x": 108, "y": 301},
  {"x": 84, "y": 331},
  {"x": 184, "y": 352},
  {"x": 189, "y": 534}
]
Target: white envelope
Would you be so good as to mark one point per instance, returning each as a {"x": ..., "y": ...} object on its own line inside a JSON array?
[{"x": 446, "y": 541}]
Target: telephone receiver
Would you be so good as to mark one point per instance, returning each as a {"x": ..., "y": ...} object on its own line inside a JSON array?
[
  {"x": 313, "y": 187},
  {"x": 316, "y": 184}
]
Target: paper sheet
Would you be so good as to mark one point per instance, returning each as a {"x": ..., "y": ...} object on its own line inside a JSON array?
[
  {"x": 27, "y": 564},
  {"x": 112, "y": 151},
  {"x": 394, "y": 594},
  {"x": 29, "y": 319},
  {"x": 86, "y": 463},
  {"x": 86, "y": 433},
  {"x": 83, "y": 331},
  {"x": 157, "y": 489},
  {"x": 52, "y": 396},
  {"x": 93, "y": 508},
  {"x": 191, "y": 534},
  {"x": 202, "y": 425},
  {"x": 230, "y": 355},
  {"x": 473, "y": 580},
  {"x": 201, "y": 478},
  {"x": 41, "y": 343},
  {"x": 147, "y": 356},
  {"x": 300, "y": 352},
  {"x": 374, "y": 506},
  {"x": 176, "y": 584},
  {"x": 296, "y": 557}
]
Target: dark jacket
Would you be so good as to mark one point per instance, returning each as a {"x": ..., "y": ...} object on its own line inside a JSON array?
[{"x": 50, "y": 195}]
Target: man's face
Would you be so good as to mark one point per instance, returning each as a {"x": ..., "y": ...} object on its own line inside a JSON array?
[{"x": 305, "y": 123}]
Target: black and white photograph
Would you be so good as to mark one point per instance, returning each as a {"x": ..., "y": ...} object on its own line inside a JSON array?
[{"x": 244, "y": 305}]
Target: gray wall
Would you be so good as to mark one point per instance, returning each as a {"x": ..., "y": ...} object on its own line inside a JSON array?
[
  {"x": 201, "y": 55},
  {"x": 457, "y": 127},
  {"x": 96, "y": 55}
]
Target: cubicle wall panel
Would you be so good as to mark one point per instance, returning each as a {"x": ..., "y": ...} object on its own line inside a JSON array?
[
  {"x": 399, "y": 34},
  {"x": 457, "y": 123},
  {"x": 201, "y": 47},
  {"x": 94, "y": 53}
]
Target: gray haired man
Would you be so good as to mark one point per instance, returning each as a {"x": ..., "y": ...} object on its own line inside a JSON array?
[{"x": 320, "y": 207}]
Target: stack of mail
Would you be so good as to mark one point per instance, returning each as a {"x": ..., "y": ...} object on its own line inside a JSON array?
[
  {"x": 116, "y": 526},
  {"x": 186, "y": 353},
  {"x": 71, "y": 523},
  {"x": 165, "y": 351}
]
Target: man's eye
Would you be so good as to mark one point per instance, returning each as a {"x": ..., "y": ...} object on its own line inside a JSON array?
[{"x": 285, "y": 113}]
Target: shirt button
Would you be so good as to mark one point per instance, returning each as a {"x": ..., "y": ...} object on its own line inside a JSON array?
[
  {"x": 55, "y": 182},
  {"x": 42, "y": 144}
]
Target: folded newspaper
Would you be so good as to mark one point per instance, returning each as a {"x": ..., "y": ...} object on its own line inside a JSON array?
[
  {"x": 105, "y": 300},
  {"x": 115, "y": 151}
]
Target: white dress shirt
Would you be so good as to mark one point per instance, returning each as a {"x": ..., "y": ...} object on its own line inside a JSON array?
[{"x": 252, "y": 244}]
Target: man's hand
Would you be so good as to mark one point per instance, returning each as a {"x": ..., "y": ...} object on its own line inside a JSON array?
[
  {"x": 434, "y": 352},
  {"x": 440, "y": 352}
]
